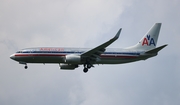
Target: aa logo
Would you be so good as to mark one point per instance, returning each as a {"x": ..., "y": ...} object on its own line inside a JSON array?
[{"x": 148, "y": 41}]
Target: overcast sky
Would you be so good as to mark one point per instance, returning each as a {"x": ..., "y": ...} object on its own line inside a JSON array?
[{"x": 89, "y": 23}]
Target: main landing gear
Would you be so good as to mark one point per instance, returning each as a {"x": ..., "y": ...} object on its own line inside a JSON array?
[
  {"x": 85, "y": 70},
  {"x": 87, "y": 66},
  {"x": 26, "y": 66}
]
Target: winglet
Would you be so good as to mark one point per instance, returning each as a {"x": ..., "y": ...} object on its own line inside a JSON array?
[
  {"x": 102, "y": 46},
  {"x": 156, "y": 50},
  {"x": 118, "y": 33}
]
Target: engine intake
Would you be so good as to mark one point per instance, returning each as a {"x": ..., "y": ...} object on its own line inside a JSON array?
[{"x": 72, "y": 58}]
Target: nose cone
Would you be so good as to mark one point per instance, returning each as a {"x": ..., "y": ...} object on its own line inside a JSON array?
[{"x": 12, "y": 56}]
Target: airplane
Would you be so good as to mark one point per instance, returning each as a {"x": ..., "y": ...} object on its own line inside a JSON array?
[{"x": 71, "y": 58}]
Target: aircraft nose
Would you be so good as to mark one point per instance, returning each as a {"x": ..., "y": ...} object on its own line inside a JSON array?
[{"x": 12, "y": 56}]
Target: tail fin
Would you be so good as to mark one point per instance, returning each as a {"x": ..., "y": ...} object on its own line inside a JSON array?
[{"x": 149, "y": 40}]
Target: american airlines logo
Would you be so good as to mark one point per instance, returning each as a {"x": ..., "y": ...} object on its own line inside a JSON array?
[
  {"x": 51, "y": 49},
  {"x": 148, "y": 41}
]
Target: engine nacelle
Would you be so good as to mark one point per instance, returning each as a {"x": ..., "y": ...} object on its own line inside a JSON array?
[
  {"x": 67, "y": 66},
  {"x": 72, "y": 58}
]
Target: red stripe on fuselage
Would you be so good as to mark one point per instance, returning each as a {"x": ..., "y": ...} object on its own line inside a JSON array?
[{"x": 39, "y": 55}]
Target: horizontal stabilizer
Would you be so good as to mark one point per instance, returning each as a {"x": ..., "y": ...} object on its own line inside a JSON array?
[{"x": 156, "y": 49}]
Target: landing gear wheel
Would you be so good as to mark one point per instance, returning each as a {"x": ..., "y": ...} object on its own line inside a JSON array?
[
  {"x": 25, "y": 66},
  {"x": 85, "y": 70},
  {"x": 89, "y": 66}
]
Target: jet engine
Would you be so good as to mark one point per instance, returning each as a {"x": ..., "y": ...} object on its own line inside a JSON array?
[
  {"x": 72, "y": 58},
  {"x": 67, "y": 66}
]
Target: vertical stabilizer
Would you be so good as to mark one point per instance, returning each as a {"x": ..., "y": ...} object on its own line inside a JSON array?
[{"x": 149, "y": 40}]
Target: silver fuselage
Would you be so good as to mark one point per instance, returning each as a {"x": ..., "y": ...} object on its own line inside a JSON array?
[{"x": 57, "y": 55}]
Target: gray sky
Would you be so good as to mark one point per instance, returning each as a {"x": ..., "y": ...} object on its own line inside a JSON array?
[{"x": 82, "y": 23}]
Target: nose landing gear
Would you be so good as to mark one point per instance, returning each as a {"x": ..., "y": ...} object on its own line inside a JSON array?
[{"x": 24, "y": 63}]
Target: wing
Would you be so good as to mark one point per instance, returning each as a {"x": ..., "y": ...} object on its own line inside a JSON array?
[{"x": 95, "y": 53}]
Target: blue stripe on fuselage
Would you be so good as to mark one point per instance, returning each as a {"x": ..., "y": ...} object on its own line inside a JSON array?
[{"x": 76, "y": 52}]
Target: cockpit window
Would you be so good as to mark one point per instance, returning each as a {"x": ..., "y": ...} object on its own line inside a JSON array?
[{"x": 19, "y": 52}]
